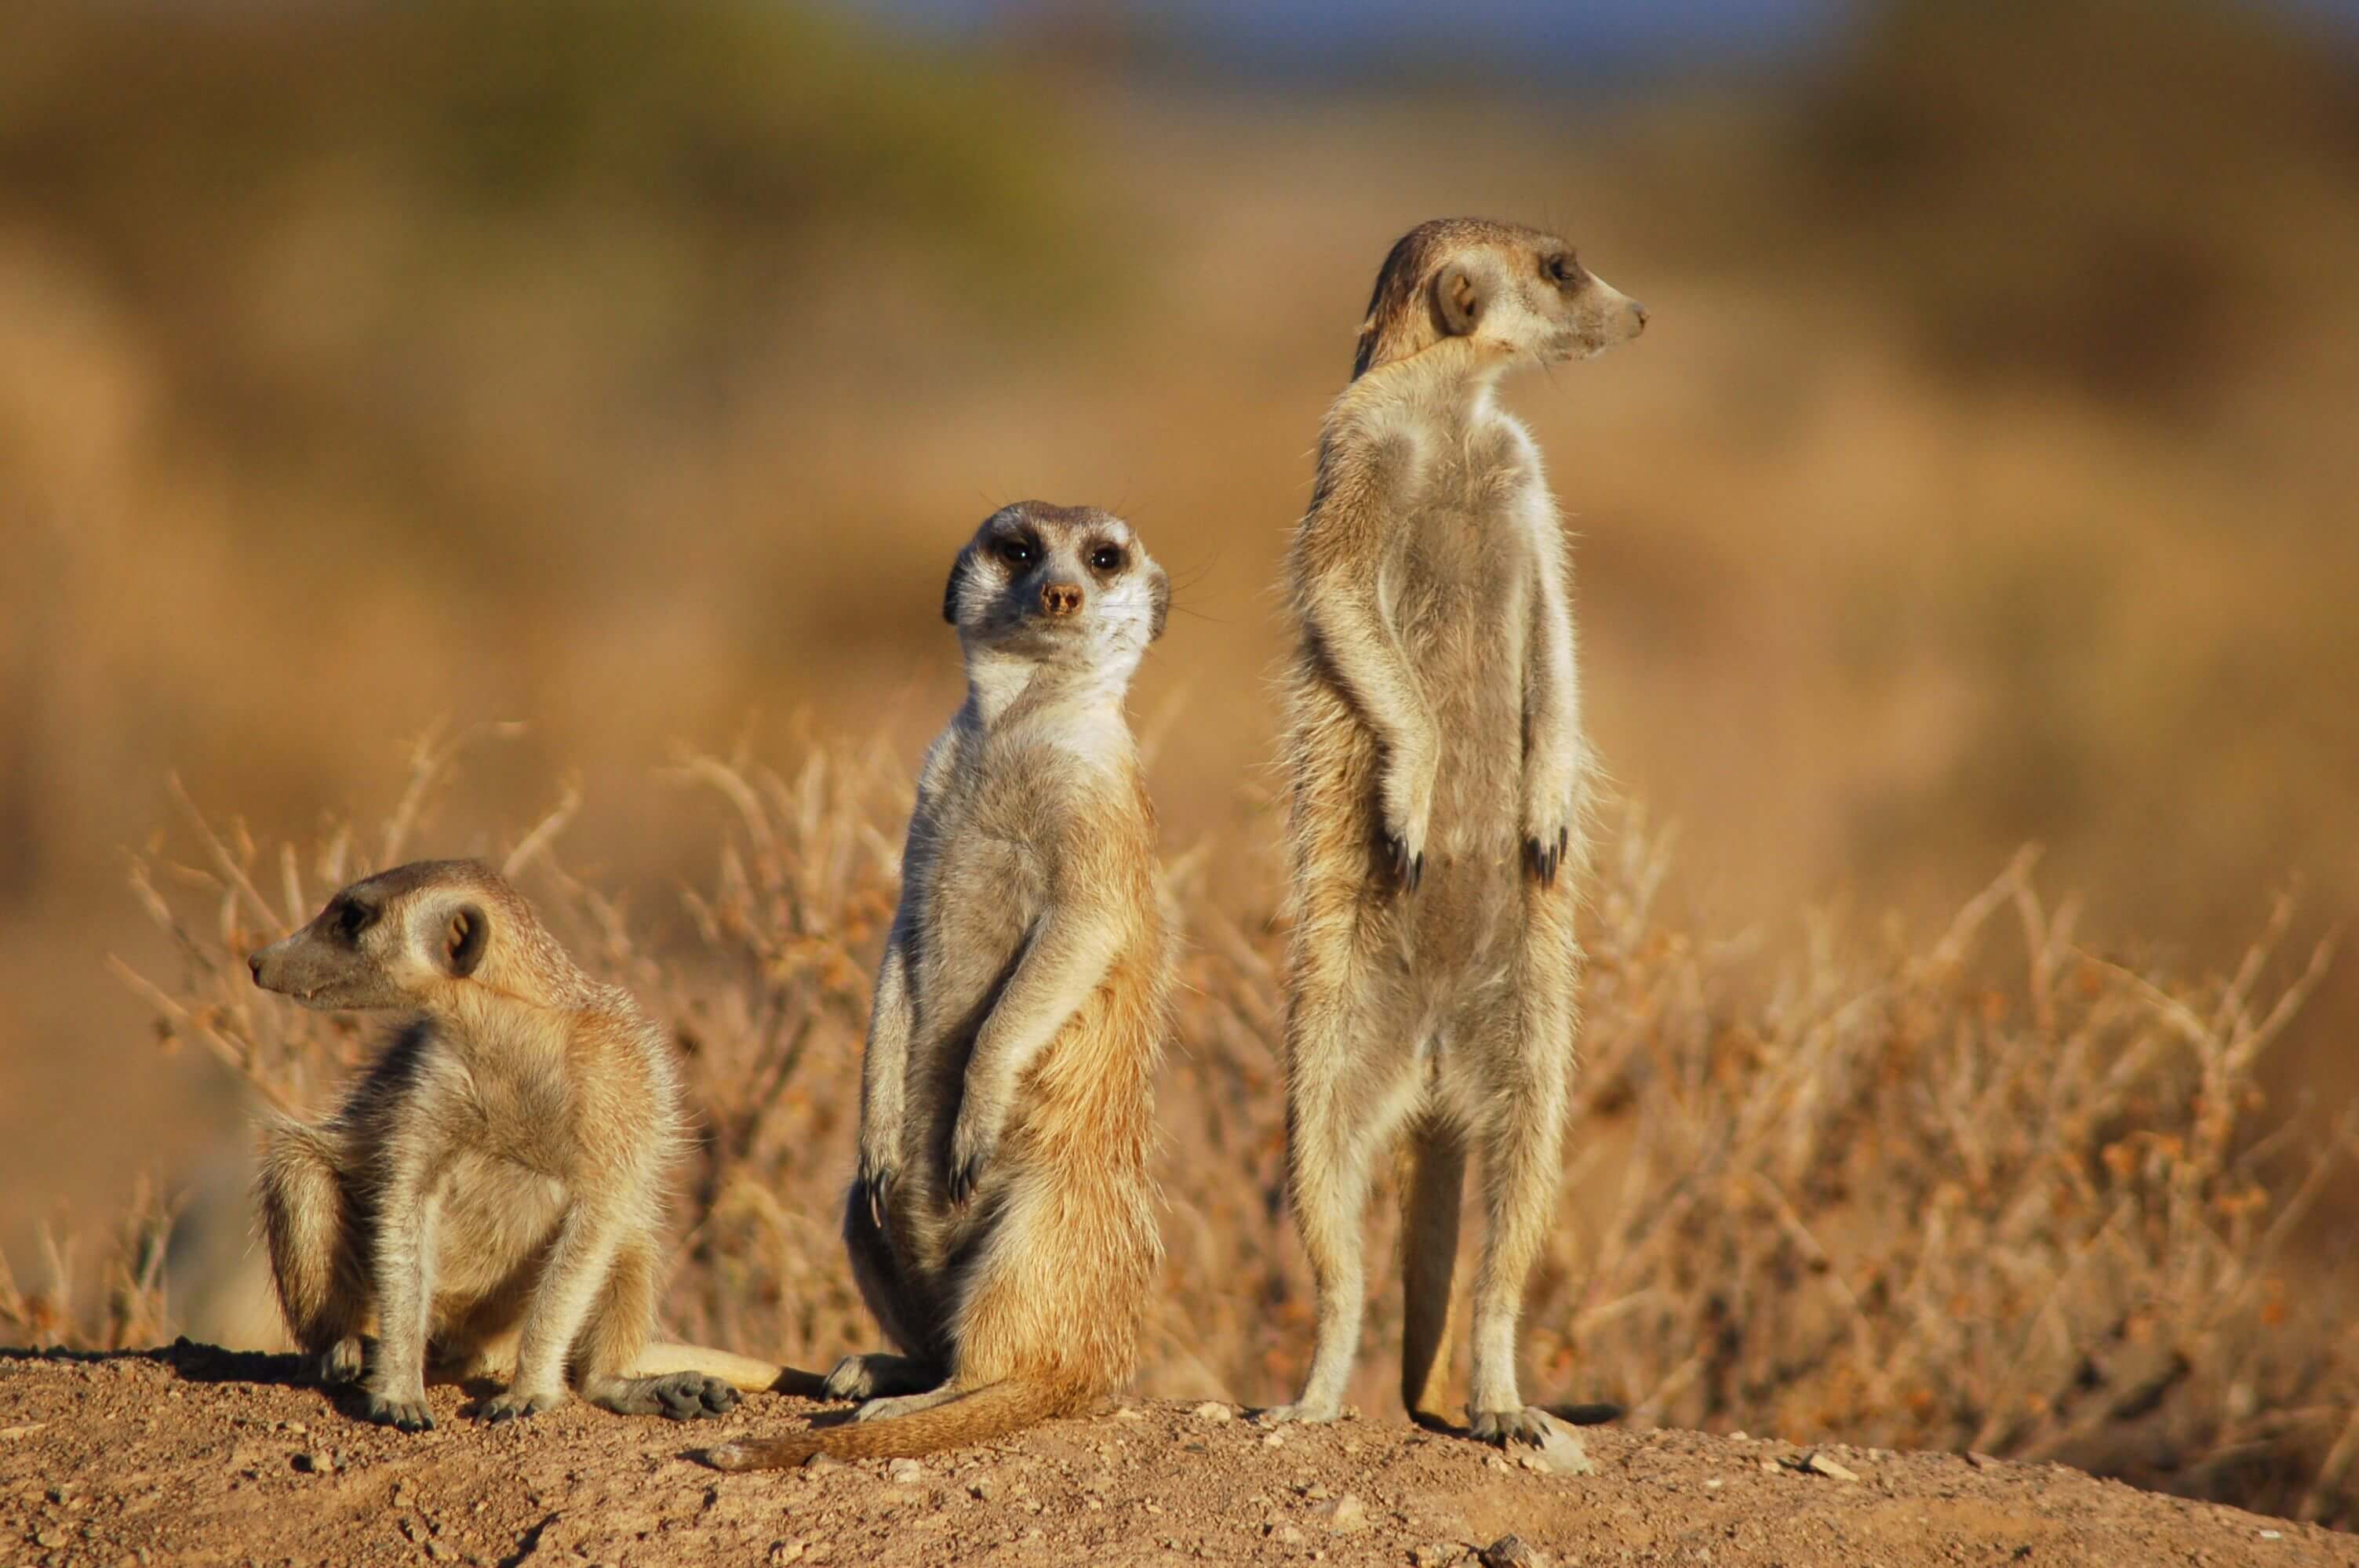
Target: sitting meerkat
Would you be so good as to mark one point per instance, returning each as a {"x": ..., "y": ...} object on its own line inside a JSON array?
[
  {"x": 1002, "y": 1224},
  {"x": 498, "y": 1170},
  {"x": 1438, "y": 780}
]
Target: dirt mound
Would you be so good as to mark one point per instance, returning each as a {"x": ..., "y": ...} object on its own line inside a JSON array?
[{"x": 192, "y": 1454}]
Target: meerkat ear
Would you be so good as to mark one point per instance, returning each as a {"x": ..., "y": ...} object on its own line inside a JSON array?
[
  {"x": 462, "y": 941},
  {"x": 1457, "y": 298},
  {"x": 950, "y": 588},
  {"x": 1160, "y": 595}
]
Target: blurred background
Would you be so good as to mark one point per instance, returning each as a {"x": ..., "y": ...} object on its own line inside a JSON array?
[{"x": 1990, "y": 472}]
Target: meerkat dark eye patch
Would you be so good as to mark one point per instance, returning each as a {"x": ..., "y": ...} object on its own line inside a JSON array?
[
  {"x": 1107, "y": 558},
  {"x": 462, "y": 941},
  {"x": 353, "y": 918},
  {"x": 1017, "y": 549}
]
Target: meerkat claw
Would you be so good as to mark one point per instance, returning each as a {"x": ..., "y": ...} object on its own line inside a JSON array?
[{"x": 963, "y": 1177}]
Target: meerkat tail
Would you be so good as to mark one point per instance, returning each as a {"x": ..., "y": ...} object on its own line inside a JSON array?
[
  {"x": 746, "y": 1374},
  {"x": 993, "y": 1410}
]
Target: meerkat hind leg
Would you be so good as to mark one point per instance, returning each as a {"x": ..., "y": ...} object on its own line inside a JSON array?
[
  {"x": 1521, "y": 1169},
  {"x": 1432, "y": 1183},
  {"x": 617, "y": 1334},
  {"x": 1338, "y": 1126},
  {"x": 316, "y": 1262}
]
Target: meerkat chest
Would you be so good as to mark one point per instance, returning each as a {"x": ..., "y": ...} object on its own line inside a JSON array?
[
  {"x": 526, "y": 1111},
  {"x": 981, "y": 890},
  {"x": 1457, "y": 577}
]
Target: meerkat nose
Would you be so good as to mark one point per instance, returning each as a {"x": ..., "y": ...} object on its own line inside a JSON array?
[
  {"x": 254, "y": 964},
  {"x": 1639, "y": 311},
  {"x": 1061, "y": 598}
]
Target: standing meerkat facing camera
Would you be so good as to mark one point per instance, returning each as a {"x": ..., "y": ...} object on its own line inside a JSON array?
[
  {"x": 498, "y": 1170},
  {"x": 1438, "y": 780},
  {"x": 1002, "y": 1224}
]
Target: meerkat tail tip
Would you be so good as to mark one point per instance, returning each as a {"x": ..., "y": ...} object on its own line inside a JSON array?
[{"x": 722, "y": 1456}]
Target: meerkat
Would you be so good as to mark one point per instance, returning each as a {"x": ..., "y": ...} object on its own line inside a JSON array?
[
  {"x": 1437, "y": 794},
  {"x": 498, "y": 1171},
  {"x": 1001, "y": 1221}
]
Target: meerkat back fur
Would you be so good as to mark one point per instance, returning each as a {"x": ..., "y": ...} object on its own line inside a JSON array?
[
  {"x": 1002, "y": 1224},
  {"x": 1437, "y": 793},
  {"x": 497, "y": 1171}
]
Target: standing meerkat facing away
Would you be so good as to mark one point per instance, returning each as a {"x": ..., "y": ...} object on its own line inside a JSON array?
[
  {"x": 498, "y": 1171},
  {"x": 1002, "y": 1224},
  {"x": 1433, "y": 740}
]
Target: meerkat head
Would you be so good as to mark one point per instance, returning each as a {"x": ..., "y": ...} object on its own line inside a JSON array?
[
  {"x": 397, "y": 939},
  {"x": 1515, "y": 294},
  {"x": 1060, "y": 585}
]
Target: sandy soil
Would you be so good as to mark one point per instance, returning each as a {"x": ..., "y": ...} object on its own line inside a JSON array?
[{"x": 192, "y": 1454}]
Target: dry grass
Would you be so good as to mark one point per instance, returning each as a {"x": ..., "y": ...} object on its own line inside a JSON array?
[{"x": 1995, "y": 1191}]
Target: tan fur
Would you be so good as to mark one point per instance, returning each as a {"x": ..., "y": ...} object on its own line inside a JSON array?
[
  {"x": 1438, "y": 773},
  {"x": 497, "y": 1175},
  {"x": 1002, "y": 1226}
]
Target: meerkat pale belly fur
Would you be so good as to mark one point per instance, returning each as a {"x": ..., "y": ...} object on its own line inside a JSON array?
[
  {"x": 498, "y": 1171},
  {"x": 1002, "y": 1226},
  {"x": 1436, "y": 770}
]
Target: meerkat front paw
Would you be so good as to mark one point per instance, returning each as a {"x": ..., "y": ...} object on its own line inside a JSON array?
[
  {"x": 872, "y": 1184},
  {"x": 1408, "y": 809},
  {"x": 517, "y": 1403},
  {"x": 343, "y": 1364},
  {"x": 1499, "y": 1428},
  {"x": 1549, "y": 811},
  {"x": 1307, "y": 1412},
  {"x": 406, "y": 1411},
  {"x": 1544, "y": 857},
  {"x": 972, "y": 1142}
]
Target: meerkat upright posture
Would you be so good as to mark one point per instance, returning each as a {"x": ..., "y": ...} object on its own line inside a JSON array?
[
  {"x": 1002, "y": 1224},
  {"x": 499, "y": 1169},
  {"x": 1437, "y": 796}
]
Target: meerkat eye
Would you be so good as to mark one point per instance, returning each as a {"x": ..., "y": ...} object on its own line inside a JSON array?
[
  {"x": 352, "y": 919},
  {"x": 1106, "y": 558},
  {"x": 1563, "y": 268},
  {"x": 1017, "y": 551}
]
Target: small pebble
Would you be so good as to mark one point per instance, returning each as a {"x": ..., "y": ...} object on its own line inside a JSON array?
[
  {"x": 905, "y": 1472},
  {"x": 1511, "y": 1551},
  {"x": 1822, "y": 1464},
  {"x": 1345, "y": 1513},
  {"x": 1214, "y": 1411}
]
